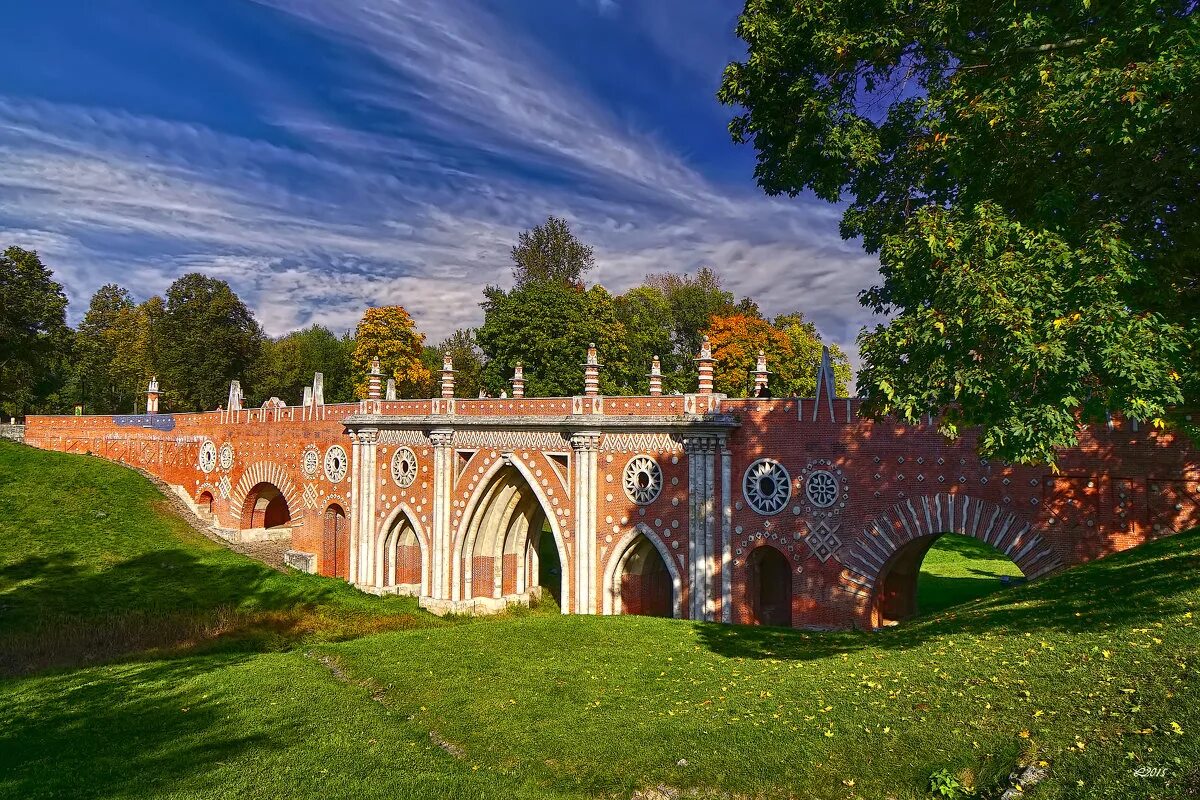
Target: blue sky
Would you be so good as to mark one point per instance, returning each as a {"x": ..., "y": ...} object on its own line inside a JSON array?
[{"x": 326, "y": 156}]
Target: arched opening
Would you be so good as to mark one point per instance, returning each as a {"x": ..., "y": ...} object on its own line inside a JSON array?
[
  {"x": 335, "y": 543},
  {"x": 646, "y": 586},
  {"x": 543, "y": 559},
  {"x": 266, "y": 507},
  {"x": 205, "y": 503},
  {"x": 931, "y": 573},
  {"x": 505, "y": 544},
  {"x": 400, "y": 560},
  {"x": 769, "y": 587}
]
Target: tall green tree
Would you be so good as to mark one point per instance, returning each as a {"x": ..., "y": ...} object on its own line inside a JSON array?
[
  {"x": 468, "y": 363},
  {"x": 35, "y": 342},
  {"x": 649, "y": 323},
  {"x": 1027, "y": 174},
  {"x": 547, "y": 326},
  {"x": 205, "y": 338},
  {"x": 101, "y": 348},
  {"x": 550, "y": 252},
  {"x": 287, "y": 365}
]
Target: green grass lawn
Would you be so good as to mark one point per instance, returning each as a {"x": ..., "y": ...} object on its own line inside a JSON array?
[
  {"x": 259, "y": 684},
  {"x": 957, "y": 569}
]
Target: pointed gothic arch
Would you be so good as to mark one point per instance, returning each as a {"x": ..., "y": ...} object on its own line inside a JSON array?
[
  {"x": 496, "y": 542},
  {"x": 402, "y": 554},
  {"x": 631, "y": 546}
]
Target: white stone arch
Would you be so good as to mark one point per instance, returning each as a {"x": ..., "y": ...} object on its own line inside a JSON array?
[
  {"x": 384, "y": 532},
  {"x": 483, "y": 489},
  {"x": 611, "y": 599}
]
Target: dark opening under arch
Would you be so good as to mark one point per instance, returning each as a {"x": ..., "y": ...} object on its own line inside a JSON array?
[
  {"x": 769, "y": 587},
  {"x": 266, "y": 507},
  {"x": 646, "y": 584}
]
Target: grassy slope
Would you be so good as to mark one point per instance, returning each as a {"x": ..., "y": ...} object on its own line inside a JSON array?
[
  {"x": 1086, "y": 671},
  {"x": 957, "y": 569}
]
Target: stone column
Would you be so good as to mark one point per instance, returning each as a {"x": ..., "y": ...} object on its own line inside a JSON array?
[
  {"x": 704, "y": 366},
  {"x": 655, "y": 378},
  {"x": 700, "y": 449},
  {"x": 518, "y": 381},
  {"x": 760, "y": 374},
  {"x": 591, "y": 373},
  {"x": 447, "y": 377},
  {"x": 586, "y": 445},
  {"x": 364, "y": 465},
  {"x": 726, "y": 531},
  {"x": 440, "y": 533}
]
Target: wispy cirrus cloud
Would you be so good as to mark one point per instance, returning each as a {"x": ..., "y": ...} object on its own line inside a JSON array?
[{"x": 475, "y": 131}]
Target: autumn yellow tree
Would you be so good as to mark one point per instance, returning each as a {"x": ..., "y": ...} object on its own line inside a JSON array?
[
  {"x": 389, "y": 334},
  {"x": 792, "y": 347}
]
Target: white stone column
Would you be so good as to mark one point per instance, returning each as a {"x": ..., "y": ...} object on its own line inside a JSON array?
[
  {"x": 586, "y": 445},
  {"x": 440, "y": 534},
  {"x": 364, "y": 491},
  {"x": 700, "y": 450},
  {"x": 726, "y": 533}
]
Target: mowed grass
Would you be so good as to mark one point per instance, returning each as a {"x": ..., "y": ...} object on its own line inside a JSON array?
[
  {"x": 957, "y": 569},
  {"x": 1092, "y": 673}
]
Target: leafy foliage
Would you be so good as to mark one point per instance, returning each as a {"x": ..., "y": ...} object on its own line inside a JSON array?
[
  {"x": 792, "y": 347},
  {"x": 389, "y": 334},
  {"x": 547, "y": 326},
  {"x": 34, "y": 338},
  {"x": 468, "y": 364},
  {"x": 550, "y": 252},
  {"x": 112, "y": 352},
  {"x": 1058, "y": 137},
  {"x": 288, "y": 364},
  {"x": 205, "y": 338}
]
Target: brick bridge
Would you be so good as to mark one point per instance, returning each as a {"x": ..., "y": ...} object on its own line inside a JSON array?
[{"x": 789, "y": 511}]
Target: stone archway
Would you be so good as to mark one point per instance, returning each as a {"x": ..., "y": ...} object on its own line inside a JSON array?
[
  {"x": 402, "y": 557},
  {"x": 882, "y": 567},
  {"x": 335, "y": 543},
  {"x": 496, "y": 558},
  {"x": 769, "y": 587},
  {"x": 641, "y": 577},
  {"x": 265, "y": 507},
  {"x": 251, "y": 483}
]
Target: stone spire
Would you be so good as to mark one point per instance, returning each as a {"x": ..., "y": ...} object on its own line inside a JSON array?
[
  {"x": 152, "y": 396},
  {"x": 447, "y": 376},
  {"x": 374, "y": 381},
  {"x": 825, "y": 384},
  {"x": 518, "y": 380},
  {"x": 235, "y": 396},
  {"x": 705, "y": 367},
  {"x": 655, "y": 377},
  {"x": 760, "y": 375},
  {"x": 591, "y": 373}
]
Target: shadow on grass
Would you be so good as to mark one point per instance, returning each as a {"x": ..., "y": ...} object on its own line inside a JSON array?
[
  {"x": 59, "y": 611},
  {"x": 1161, "y": 578},
  {"x": 140, "y": 720}
]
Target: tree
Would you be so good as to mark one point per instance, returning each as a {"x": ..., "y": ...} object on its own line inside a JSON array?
[
  {"x": 1027, "y": 174},
  {"x": 792, "y": 347},
  {"x": 288, "y": 363},
  {"x": 389, "y": 334},
  {"x": 547, "y": 326},
  {"x": 550, "y": 252},
  {"x": 103, "y": 349},
  {"x": 646, "y": 316},
  {"x": 205, "y": 338},
  {"x": 34, "y": 338},
  {"x": 693, "y": 302}
]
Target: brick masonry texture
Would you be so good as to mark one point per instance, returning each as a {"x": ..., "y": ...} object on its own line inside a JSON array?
[{"x": 507, "y": 498}]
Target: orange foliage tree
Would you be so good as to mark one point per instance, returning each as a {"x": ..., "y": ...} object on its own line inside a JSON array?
[
  {"x": 792, "y": 347},
  {"x": 389, "y": 334}
]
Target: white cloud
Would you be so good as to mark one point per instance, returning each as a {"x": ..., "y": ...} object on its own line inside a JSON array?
[{"x": 353, "y": 218}]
